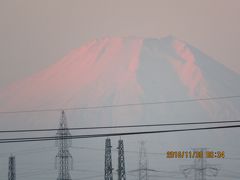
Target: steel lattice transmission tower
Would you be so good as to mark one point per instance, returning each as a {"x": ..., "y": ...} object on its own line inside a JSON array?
[
  {"x": 143, "y": 162},
  {"x": 64, "y": 161},
  {"x": 108, "y": 160},
  {"x": 12, "y": 168},
  {"x": 143, "y": 169},
  {"x": 121, "y": 161},
  {"x": 200, "y": 169}
]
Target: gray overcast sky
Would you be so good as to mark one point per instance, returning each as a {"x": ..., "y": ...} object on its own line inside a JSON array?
[{"x": 36, "y": 33}]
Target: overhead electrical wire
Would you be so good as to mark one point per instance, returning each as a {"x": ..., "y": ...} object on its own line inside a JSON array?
[
  {"x": 123, "y": 126},
  {"x": 115, "y": 150},
  {"x": 49, "y": 138},
  {"x": 123, "y": 105}
]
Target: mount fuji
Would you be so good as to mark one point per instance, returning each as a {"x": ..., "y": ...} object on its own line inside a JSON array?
[{"x": 113, "y": 71}]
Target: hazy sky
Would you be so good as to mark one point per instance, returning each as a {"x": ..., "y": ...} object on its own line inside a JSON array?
[{"x": 36, "y": 33}]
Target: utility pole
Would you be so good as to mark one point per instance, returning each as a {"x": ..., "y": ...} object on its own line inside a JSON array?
[
  {"x": 143, "y": 162},
  {"x": 64, "y": 161},
  {"x": 108, "y": 160},
  {"x": 12, "y": 168},
  {"x": 121, "y": 161},
  {"x": 200, "y": 168}
]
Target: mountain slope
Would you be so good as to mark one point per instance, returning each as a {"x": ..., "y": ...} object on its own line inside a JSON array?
[{"x": 129, "y": 70}]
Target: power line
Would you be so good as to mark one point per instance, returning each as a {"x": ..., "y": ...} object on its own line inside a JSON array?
[
  {"x": 14, "y": 140},
  {"x": 124, "y": 126},
  {"x": 29, "y": 151},
  {"x": 90, "y": 177},
  {"x": 123, "y": 105},
  {"x": 115, "y": 150}
]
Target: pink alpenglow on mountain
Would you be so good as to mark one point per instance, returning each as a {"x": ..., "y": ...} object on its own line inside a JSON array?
[{"x": 113, "y": 71}]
